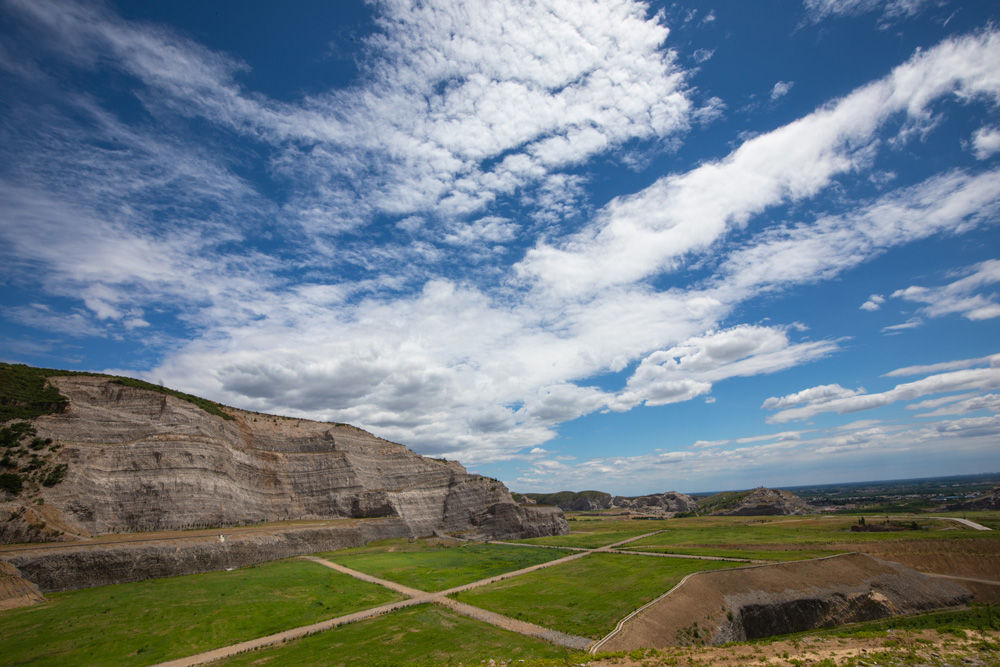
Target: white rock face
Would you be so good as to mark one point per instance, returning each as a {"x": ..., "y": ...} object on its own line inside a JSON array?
[{"x": 140, "y": 460}]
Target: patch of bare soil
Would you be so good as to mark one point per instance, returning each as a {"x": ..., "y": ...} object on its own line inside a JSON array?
[
  {"x": 977, "y": 558},
  {"x": 924, "y": 647},
  {"x": 734, "y": 605},
  {"x": 15, "y": 591}
]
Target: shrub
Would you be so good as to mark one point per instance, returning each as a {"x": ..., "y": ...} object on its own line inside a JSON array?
[
  {"x": 55, "y": 475},
  {"x": 11, "y": 483}
]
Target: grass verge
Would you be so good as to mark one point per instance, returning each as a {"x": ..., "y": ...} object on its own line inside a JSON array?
[{"x": 151, "y": 621}]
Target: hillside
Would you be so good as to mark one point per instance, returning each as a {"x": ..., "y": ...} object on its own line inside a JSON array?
[
  {"x": 85, "y": 454},
  {"x": 670, "y": 502},
  {"x": 755, "y": 502}
]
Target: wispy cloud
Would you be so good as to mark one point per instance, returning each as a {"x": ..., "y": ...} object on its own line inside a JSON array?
[
  {"x": 959, "y": 297},
  {"x": 959, "y": 380}
]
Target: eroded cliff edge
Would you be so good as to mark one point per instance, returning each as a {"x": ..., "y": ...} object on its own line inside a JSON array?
[{"x": 139, "y": 460}]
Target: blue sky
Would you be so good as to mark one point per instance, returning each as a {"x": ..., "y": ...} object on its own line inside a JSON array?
[{"x": 618, "y": 245}]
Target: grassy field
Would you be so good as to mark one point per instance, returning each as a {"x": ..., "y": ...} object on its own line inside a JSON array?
[
  {"x": 435, "y": 565},
  {"x": 151, "y": 621},
  {"x": 586, "y": 597},
  {"x": 750, "y": 554},
  {"x": 422, "y": 635},
  {"x": 808, "y": 533}
]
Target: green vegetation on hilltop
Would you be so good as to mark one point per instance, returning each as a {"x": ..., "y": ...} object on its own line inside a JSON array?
[
  {"x": 722, "y": 501},
  {"x": 421, "y": 635},
  {"x": 25, "y": 392},
  {"x": 152, "y": 621}
]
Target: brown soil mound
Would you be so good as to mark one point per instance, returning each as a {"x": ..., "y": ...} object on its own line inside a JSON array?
[
  {"x": 748, "y": 603},
  {"x": 15, "y": 591}
]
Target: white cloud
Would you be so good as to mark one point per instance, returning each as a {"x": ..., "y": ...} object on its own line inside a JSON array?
[
  {"x": 991, "y": 360},
  {"x": 873, "y": 303},
  {"x": 807, "y": 252},
  {"x": 893, "y": 329},
  {"x": 959, "y": 297},
  {"x": 986, "y": 142},
  {"x": 819, "y": 10},
  {"x": 819, "y": 394},
  {"x": 643, "y": 234},
  {"x": 781, "y": 89},
  {"x": 867, "y": 446},
  {"x": 961, "y": 406},
  {"x": 689, "y": 369},
  {"x": 962, "y": 380}
]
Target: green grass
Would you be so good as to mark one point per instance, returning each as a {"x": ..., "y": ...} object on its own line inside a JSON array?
[
  {"x": 430, "y": 565},
  {"x": 599, "y": 532},
  {"x": 25, "y": 392},
  {"x": 976, "y": 617},
  {"x": 425, "y": 634},
  {"x": 743, "y": 534},
  {"x": 151, "y": 621},
  {"x": 588, "y": 596}
]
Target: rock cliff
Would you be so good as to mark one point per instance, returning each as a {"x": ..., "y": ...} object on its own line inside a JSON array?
[
  {"x": 659, "y": 504},
  {"x": 140, "y": 460},
  {"x": 668, "y": 503}
]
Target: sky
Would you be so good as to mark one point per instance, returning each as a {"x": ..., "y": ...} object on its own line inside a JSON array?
[{"x": 617, "y": 245}]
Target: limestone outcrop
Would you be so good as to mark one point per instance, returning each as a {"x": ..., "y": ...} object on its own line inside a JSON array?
[
  {"x": 667, "y": 504},
  {"x": 140, "y": 460}
]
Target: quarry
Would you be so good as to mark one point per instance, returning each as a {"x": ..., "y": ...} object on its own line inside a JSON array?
[{"x": 125, "y": 489}]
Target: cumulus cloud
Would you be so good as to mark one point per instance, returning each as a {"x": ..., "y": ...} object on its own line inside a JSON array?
[
  {"x": 985, "y": 142},
  {"x": 873, "y": 303},
  {"x": 689, "y": 369},
  {"x": 781, "y": 89}
]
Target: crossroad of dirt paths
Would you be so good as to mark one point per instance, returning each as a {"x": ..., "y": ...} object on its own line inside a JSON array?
[{"x": 415, "y": 597}]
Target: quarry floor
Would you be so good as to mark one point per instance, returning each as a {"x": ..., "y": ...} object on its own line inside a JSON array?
[{"x": 976, "y": 564}]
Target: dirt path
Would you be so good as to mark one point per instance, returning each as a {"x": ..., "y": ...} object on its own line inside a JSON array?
[{"x": 415, "y": 596}]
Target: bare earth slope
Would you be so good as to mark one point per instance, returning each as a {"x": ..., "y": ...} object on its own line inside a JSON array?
[
  {"x": 139, "y": 460},
  {"x": 748, "y": 603}
]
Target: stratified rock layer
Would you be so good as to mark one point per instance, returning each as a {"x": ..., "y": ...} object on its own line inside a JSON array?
[
  {"x": 753, "y": 602},
  {"x": 139, "y": 460}
]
